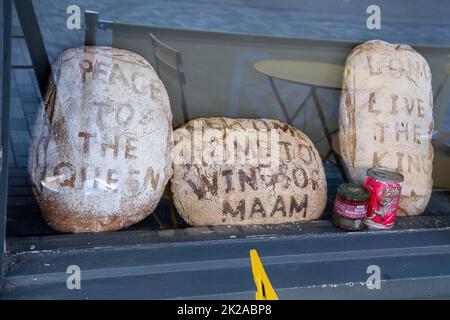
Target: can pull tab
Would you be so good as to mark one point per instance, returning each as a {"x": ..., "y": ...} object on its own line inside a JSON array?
[{"x": 381, "y": 173}]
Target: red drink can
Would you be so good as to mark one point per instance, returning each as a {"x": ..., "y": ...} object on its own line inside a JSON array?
[{"x": 385, "y": 187}]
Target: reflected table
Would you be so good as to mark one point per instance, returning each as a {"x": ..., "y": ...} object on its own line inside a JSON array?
[{"x": 312, "y": 74}]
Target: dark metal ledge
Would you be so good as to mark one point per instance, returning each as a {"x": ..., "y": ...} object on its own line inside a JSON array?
[
  {"x": 311, "y": 260},
  {"x": 124, "y": 238}
]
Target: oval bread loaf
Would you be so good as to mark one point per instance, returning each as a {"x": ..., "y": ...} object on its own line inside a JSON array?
[
  {"x": 243, "y": 171},
  {"x": 386, "y": 118},
  {"x": 101, "y": 150}
]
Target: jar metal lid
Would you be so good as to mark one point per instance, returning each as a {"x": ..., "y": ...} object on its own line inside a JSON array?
[
  {"x": 385, "y": 175},
  {"x": 353, "y": 192}
]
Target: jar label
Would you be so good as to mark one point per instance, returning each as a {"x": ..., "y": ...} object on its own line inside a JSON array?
[{"x": 350, "y": 211}]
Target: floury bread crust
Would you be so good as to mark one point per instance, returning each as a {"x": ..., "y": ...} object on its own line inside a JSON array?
[
  {"x": 101, "y": 150},
  {"x": 207, "y": 194},
  {"x": 386, "y": 118}
]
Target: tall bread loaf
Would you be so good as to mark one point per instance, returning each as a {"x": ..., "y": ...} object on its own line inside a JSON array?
[
  {"x": 101, "y": 150},
  {"x": 214, "y": 193},
  {"x": 386, "y": 118}
]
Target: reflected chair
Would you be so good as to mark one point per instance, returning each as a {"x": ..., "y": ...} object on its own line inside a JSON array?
[
  {"x": 170, "y": 58},
  {"x": 443, "y": 81},
  {"x": 441, "y": 162}
]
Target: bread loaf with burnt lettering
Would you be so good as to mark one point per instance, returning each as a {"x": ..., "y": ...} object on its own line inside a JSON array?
[
  {"x": 244, "y": 171},
  {"x": 386, "y": 118},
  {"x": 101, "y": 149}
]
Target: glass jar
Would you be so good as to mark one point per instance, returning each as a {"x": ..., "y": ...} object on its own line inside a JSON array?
[{"x": 350, "y": 206}]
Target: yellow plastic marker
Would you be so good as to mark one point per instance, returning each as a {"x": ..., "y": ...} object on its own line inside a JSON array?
[{"x": 264, "y": 290}]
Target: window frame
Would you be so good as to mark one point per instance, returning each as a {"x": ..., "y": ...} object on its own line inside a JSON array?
[
  {"x": 6, "y": 87},
  {"x": 191, "y": 237}
]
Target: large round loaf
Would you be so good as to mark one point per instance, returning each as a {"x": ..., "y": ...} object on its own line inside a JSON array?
[
  {"x": 386, "y": 118},
  {"x": 243, "y": 171},
  {"x": 101, "y": 150}
]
